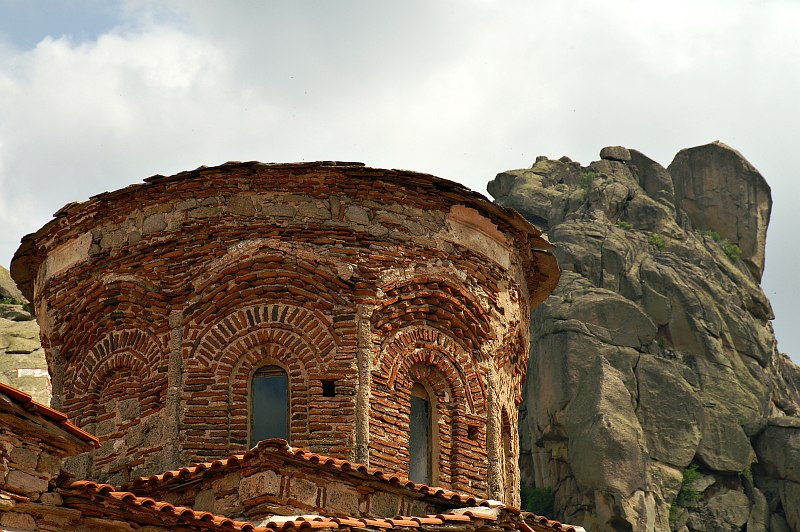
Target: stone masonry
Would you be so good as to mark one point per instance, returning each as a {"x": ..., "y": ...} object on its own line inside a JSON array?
[{"x": 157, "y": 303}]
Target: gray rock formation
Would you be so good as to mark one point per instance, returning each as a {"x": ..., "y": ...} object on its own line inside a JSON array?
[
  {"x": 8, "y": 288},
  {"x": 656, "y": 398},
  {"x": 22, "y": 361}
]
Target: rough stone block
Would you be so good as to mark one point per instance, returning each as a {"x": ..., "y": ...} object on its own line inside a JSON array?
[
  {"x": 264, "y": 483},
  {"x": 49, "y": 464},
  {"x": 226, "y": 483},
  {"x": 19, "y": 482},
  {"x": 241, "y": 205},
  {"x": 129, "y": 409},
  {"x": 356, "y": 214},
  {"x": 303, "y": 490},
  {"x": 51, "y": 499},
  {"x": 204, "y": 501},
  {"x": 279, "y": 211},
  {"x": 154, "y": 223},
  {"x": 17, "y": 521},
  {"x": 341, "y": 499},
  {"x": 25, "y": 457},
  {"x": 384, "y": 504}
]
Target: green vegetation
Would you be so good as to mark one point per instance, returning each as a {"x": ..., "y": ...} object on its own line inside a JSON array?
[
  {"x": 624, "y": 224},
  {"x": 538, "y": 500},
  {"x": 657, "y": 241},
  {"x": 10, "y": 301},
  {"x": 586, "y": 178},
  {"x": 687, "y": 495},
  {"x": 733, "y": 251}
]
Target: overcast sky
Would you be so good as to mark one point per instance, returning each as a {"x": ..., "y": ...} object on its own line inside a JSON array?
[{"x": 98, "y": 94}]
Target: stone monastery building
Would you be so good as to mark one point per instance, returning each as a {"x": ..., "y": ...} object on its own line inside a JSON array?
[{"x": 376, "y": 320}]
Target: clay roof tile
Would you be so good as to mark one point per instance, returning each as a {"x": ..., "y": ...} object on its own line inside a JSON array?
[
  {"x": 58, "y": 418},
  {"x": 84, "y": 487}
]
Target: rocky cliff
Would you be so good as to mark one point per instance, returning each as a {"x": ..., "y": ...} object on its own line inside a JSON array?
[
  {"x": 656, "y": 397},
  {"x": 22, "y": 361}
]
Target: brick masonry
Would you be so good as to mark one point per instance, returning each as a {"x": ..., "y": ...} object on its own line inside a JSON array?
[{"x": 157, "y": 303}]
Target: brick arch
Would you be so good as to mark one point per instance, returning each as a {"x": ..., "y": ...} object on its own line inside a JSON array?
[
  {"x": 220, "y": 363},
  {"x": 436, "y": 301},
  {"x": 309, "y": 330},
  {"x": 114, "y": 302},
  {"x": 114, "y": 393},
  {"x": 253, "y": 270},
  {"x": 428, "y": 356},
  {"x": 431, "y": 347},
  {"x": 131, "y": 350}
]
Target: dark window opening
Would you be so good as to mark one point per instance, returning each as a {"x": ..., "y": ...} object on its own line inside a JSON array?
[
  {"x": 328, "y": 388},
  {"x": 472, "y": 432},
  {"x": 419, "y": 440},
  {"x": 269, "y": 404}
]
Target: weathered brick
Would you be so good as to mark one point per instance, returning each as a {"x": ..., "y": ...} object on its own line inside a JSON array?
[{"x": 312, "y": 268}]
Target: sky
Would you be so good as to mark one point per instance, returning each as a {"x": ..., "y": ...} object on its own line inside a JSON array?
[{"x": 98, "y": 94}]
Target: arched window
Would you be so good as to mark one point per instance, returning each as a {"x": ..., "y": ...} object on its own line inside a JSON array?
[
  {"x": 269, "y": 404},
  {"x": 420, "y": 446}
]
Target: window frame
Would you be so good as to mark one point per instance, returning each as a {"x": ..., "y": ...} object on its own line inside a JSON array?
[
  {"x": 422, "y": 390},
  {"x": 268, "y": 368}
]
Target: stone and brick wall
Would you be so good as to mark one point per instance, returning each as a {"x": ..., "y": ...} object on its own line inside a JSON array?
[
  {"x": 158, "y": 302},
  {"x": 275, "y": 482},
  {"x": 34, "y": 440}
]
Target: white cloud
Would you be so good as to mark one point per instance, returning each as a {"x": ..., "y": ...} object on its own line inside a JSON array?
[{"x": 460, "y": 89}]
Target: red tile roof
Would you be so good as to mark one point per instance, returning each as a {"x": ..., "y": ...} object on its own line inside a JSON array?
[
  {"x": 57, "y": 418},
  {"x": 532, "y": 523},
  {"x": 129, "y": 501},
  {"x": 481, "y": 508},
  {"x": 276, "y": 445},
  {"x": 469, "y": 517}
]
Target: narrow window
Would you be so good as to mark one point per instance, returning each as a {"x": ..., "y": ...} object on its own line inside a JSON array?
[
  {"x": 269, "y": 404},
  {"x": 419, "y": 440}
]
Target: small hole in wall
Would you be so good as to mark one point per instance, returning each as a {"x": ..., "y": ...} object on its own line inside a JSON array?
[
  {"x": 472, "y": 432},
  {"x": 328, "y": 388}
]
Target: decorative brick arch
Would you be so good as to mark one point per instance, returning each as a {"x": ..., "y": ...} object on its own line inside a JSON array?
[
  {"x": 220, "y": 364},
  {"x": 119, "y": 303},
  {"x": 428, "y": 356},
  {"x": 439, "y": 301},
  {"x": 130, "y": 350},
  {"x": 307, "y": 329},
  {"x": 430, "y": 347},
  {"x": 252, "y": 269},
  {"x": 111, "y": 391}
]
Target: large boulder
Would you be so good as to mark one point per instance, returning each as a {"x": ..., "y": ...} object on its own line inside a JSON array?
[
  {"x": 778, "y": 448},
  {"x": 654, "y": 359},
  {"x": 721, "y": 191}
]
